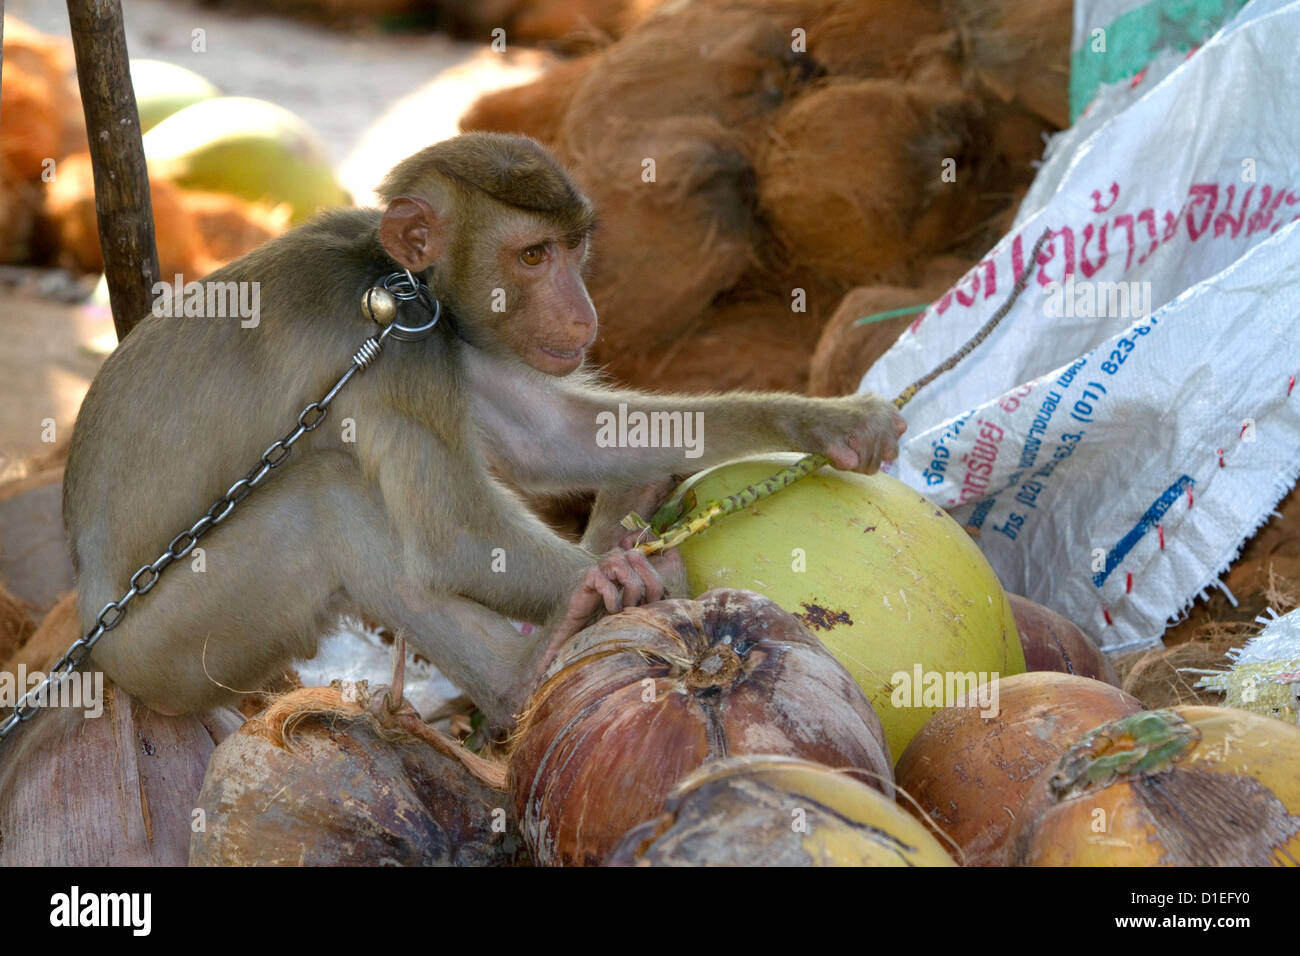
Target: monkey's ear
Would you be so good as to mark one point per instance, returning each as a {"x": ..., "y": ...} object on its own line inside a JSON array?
[{"x": 411, "y": 234}]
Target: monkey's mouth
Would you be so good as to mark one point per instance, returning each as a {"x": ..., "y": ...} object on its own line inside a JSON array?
[{"x": 569, "y": 356}]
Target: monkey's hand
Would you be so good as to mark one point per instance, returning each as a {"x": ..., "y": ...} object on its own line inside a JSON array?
[
  {"x": 604, "y": 530},
  {"x": 619, "y": 579},
  {"x": 856, "y": 432}
]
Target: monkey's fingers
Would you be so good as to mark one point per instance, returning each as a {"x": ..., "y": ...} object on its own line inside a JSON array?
[
  {"x": 654, "y": 587},
  {"x": 672, "y": 572},
  {"x": 597, "y": 580},
  {"x": 617, "y": 565}
]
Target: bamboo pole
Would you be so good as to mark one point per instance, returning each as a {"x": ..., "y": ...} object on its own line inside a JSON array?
[{"x": 122, "y": 202}]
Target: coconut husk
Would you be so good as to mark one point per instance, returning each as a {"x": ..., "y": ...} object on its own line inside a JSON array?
[
  {"x": 16, "y": 624},
  {"x": 229, "y": 226},
  {"x": 535, "y": 109},
  {"x": 117, "y": 790},
  {"x": 665, "y": 249},
  {"x": 761, "y": 345},
  {"x": 1163, "y": 676},
  {"x": 1018, "y": 52},
  {"x": 1281, "y": 535},
  {"x": 42, "y": 111},
  {"x": 571, "y": 24},
  {"x": 846, "y": 350},
  {"x": 315, "y": 780},
  {"x": 20, "y": 205},
  {"x": 851, "y": 37},
  {"x": 70, "y": 204},
  {"x": 693, "y": 61},
  {"x": 47, "y": 643},
  {"x": 851, "y": 179}
]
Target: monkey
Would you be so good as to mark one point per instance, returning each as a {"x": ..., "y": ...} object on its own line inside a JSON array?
[{"x": 401, "y": 520}]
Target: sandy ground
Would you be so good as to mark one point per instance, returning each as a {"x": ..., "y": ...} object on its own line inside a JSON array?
[{"x": 373, "y": 97}]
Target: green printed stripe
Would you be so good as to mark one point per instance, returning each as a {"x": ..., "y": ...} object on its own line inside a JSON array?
[
  {"x": 1134, "y": 39},
  {"x": 891, "y": 314}
]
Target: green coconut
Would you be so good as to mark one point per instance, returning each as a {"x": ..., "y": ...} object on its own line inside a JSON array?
[
  {"x": 888, "y": 581},
  {"x": 248, "y": 148},
  {"x": 162, "y": 89}
]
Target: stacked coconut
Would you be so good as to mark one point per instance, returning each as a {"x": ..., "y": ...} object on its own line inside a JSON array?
[
  {"x": 734, "y": 728},
  {"x": 780, "y": 166},
  {"x": 226, "y": 174}
]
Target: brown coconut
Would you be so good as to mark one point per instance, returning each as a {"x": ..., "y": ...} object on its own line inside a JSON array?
[
  {"x": 20, "y": 204},
  {"x": 845, "y": 349},
  {"x": 70, "y": 202},
  {"x": 42, "y": 111},
  {"x": 117, "y": 790},
  {"x": 1054, "y": 643},
  {"x": 760, "y": 345},
  {"x": 47, "y": 643},
  {"x": 731, "y": 66},
  {"x": 534, "y": 109},
  {"x": 639, "y": 700},
  {"x": 969, "y": 774},
  {"x": 1281, "y": 534},
  {"x": 570, "y": 22},
  {"x": 312, "y": 782},
  {"x": 229, "y": 226},
  {"x": 16, "y": 624},
  {"x": 665, "y": 248},
  {"x": 1018, "y": 52},
  {"x": 1189, "y": 786},
  {"x": 851, "y": 178},
  {"x": 852, "y": 37}
]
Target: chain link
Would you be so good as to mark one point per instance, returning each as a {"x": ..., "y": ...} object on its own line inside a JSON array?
[{"x": 184, "y": 543}]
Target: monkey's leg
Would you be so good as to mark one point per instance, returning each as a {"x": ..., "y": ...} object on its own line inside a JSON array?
[
  {"x": 478, "y": 650},
  {"x": 265, "y": 586}
]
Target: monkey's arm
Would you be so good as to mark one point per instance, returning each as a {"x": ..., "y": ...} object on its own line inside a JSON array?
[
  {"x": 462, "y": 533},
  {"x": 552, "y": 434}
]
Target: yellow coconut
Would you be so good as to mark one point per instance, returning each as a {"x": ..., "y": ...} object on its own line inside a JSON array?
[
  {"x": 1188, "y": 786},
  {"x": 162, "y": 89},
  {"x": 888, "y": 581},
  {"x": 778, "y": 811},
  {"x": 248, "y": 148}
]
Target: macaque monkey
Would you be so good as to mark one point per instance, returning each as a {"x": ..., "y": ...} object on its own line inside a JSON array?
[{"x": 389, "y": 508}]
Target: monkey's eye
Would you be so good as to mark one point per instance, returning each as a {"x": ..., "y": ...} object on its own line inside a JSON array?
[{"x": 533, "y": 255}]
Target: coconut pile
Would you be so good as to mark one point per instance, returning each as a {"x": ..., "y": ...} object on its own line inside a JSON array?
[
  {"x": 738, "y": 727},
  {"x": 784, "y": 168},
  {"x": 47, "y": 196},
  {"x": 767, "y": 174}
]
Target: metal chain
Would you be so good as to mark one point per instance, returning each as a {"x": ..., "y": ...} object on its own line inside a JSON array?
[{"x": 401, "y": 286}]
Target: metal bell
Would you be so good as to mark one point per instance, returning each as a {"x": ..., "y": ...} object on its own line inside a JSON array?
[{"x": 379, "y": 305}]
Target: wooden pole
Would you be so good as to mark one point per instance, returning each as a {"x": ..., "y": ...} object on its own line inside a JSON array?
[{"x": 117, "y": 155}]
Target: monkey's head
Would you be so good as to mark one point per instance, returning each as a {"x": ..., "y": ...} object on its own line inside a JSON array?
[{"x": 505, "y": 232}]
